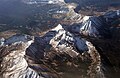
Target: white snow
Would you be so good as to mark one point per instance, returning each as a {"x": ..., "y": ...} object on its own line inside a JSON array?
[
  {"x": 57, "y": 28},
  {"x": 86, "y": 18}
]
